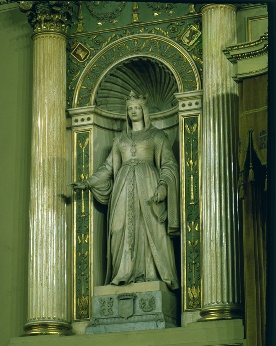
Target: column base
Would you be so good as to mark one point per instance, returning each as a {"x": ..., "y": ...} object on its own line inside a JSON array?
[
  {"x": 47, "y": 328},
  {"x": 221, "y": 312}
]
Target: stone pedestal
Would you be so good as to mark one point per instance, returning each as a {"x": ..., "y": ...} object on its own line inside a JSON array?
[{"x": 138, "y": 306}]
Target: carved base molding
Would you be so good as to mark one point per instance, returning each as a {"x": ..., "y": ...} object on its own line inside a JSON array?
[
  {"x": 139, "y": 306},
  {"x": 47, "y": 328}
]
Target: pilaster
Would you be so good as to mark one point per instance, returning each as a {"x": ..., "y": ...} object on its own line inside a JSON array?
[{"x": 190, "y": 113}]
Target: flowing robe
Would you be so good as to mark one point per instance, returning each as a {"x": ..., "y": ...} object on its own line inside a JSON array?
[{"x": 139, "y": 247}]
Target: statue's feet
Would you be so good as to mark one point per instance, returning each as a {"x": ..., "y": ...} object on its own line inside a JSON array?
[{"x": 140, "y": 279}]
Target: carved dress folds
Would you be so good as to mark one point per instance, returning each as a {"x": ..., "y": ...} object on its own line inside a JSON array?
[{"x": 139, "y": 248}]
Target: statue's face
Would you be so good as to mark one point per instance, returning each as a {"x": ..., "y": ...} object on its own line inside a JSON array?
[{"x": 135, "y": 112}]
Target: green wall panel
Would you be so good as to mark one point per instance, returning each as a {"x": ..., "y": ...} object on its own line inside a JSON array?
[
  {"x": 82, "y": 229},
  {"x": 192, "y": 214}
]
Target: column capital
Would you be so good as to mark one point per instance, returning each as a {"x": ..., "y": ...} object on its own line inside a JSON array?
[{"x": 48, "y": 16}]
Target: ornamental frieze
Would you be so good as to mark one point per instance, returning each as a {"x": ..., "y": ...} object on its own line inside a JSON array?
[{"x": 147, "y": 45}]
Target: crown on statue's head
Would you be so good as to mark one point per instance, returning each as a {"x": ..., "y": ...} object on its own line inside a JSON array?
[{"x": 133, "y": 99}]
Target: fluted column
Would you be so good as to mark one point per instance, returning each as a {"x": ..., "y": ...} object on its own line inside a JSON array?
[
  {"x": 220, "y": 227},
  {"x": 48, "y": 310}
]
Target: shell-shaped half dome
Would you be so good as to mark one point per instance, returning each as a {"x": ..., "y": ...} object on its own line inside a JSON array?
[{"x": 144, "y": 76}]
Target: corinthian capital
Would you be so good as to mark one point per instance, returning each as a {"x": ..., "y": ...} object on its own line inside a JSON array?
[{"x": 48, "y": 16}]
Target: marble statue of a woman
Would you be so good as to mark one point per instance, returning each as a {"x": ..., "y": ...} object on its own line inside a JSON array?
[{"x": 139, "y": 182}]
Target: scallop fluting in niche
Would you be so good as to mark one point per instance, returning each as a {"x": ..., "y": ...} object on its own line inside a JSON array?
[{"x": 144, "y": 76}]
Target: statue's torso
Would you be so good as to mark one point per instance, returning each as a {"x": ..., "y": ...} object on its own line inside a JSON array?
[{"x": 137, "y": 145}]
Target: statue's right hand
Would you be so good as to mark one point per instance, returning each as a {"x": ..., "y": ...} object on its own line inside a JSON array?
[{"x": 77, "y": 185}]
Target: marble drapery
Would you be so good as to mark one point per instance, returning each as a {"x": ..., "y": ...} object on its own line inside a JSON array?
[{"x": 139, "y": 247}]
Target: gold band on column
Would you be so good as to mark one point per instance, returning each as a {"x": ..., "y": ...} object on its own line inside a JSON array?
[
  {"x": 224, "y": 312},
  {"x": 47, "y": 328}
]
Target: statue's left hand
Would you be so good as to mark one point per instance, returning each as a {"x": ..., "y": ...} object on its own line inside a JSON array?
[{"x": 160, "y": 194}]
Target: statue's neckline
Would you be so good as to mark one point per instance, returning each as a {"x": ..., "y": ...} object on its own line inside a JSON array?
[
  {"x": 137, "y": 131},
  {"x": 137, "y": 135}
]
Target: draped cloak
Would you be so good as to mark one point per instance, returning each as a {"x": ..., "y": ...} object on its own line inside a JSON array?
[{"x": 139, "y": 247}]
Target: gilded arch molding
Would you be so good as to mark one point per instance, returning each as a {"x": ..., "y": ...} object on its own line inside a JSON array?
[{"x": 166, "y": 51}]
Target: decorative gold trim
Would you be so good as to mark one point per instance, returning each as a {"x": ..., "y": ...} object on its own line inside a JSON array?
[
  {"x": 53, "y": 17},
  {"x": 74, "y": 216},
  {"x": 191, "y": 109},
  {"x": 183, "y": 199},
  {"x": 134, "y": 25},
  {"x": 80, "y": 52},
  {"x": 220, "y": 312},
  {"x": 248, "y": 55},
  {"x": 122, "y": 40},
  {"x": 135, "y": 14},
  {"x": 109, "y": 15},
  {"x": 91, "y": 218},
  {"x": 182, "y": 210},
  {"x": 262, "y": 39},
  {"x": 80, "y": 18},
  {"x": 47, "y": 328},
  {"x": 247, "y": 50},
  {"x": 200, "y": 201},
  {"x": 192, "y": 32}
]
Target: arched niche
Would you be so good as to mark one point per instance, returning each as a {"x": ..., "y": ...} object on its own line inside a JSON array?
[
  {"x": 160, "y": 48},
  {"x": 149, "y": 65}
]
